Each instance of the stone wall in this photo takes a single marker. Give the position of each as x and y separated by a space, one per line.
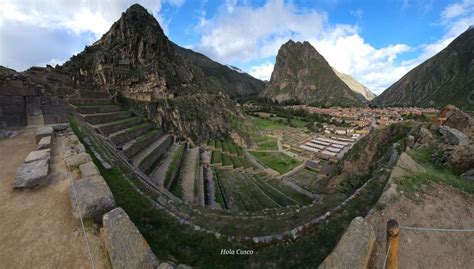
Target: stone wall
12 111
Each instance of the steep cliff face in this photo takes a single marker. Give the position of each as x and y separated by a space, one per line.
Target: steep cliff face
235 83
302 74
360 90
446 78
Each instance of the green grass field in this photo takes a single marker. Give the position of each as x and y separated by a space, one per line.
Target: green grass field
265 142
277 161
266 124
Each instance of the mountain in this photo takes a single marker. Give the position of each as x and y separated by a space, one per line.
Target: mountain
363 92
446 78
302 74
232 79
176 90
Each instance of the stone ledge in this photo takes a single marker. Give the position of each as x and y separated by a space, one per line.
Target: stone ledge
125 245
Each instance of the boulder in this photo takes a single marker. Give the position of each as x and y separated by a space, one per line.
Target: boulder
77 159
453 136
126 246
38 155
410 141
44 143
469 175
32 174
94 198
88 169
408 164
355 247
459 157
425 136
457 119
43 131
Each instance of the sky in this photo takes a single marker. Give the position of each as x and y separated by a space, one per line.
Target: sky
376 42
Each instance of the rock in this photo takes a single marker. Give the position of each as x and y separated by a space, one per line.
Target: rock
77 159
60 127
94 198
38 155
457 119
355 247
388 195
453 136
410 141
165 265
32 174
408 164
469 175
425 136
43 131
44 143
460 158
88 169
126 246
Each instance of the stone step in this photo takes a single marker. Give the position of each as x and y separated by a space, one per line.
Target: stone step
124 135
94 94
137 144
115 126
106 117
94 109
89 101
149 155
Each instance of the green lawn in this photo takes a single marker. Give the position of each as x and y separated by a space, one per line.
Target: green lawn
266 124
265 142
277 161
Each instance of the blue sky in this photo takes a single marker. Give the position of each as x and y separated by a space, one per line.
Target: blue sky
376 42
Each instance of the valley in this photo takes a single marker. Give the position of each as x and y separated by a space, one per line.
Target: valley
166 158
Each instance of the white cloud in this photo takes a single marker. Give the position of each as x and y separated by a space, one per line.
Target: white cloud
245 33
457 9
358 13
75 16
59 28
262 71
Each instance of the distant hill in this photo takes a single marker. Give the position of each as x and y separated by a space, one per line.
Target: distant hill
362 91
446 78
232 79
302 74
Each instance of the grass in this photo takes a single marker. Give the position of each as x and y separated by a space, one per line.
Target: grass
266 142
217 188
277 161
216 157
226 160
266 124
173 166
435 172
167 238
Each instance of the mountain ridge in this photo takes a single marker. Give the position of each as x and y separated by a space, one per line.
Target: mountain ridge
446 78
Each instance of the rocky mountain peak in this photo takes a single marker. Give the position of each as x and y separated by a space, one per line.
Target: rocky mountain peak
302 74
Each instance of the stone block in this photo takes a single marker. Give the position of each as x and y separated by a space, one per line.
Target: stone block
44 143
88 169
32 174
43 131
126 246
44 154
78 159
94 198
355 247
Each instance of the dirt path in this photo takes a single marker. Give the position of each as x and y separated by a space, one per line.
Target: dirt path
37 227
189 174
441 207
